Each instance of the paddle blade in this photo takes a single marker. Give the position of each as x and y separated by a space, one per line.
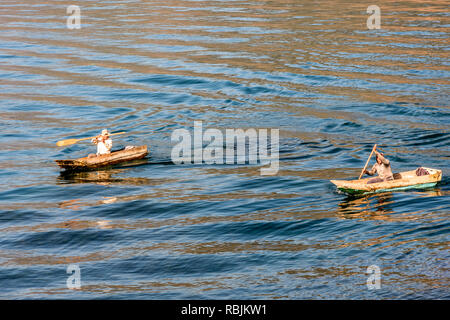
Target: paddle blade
67 142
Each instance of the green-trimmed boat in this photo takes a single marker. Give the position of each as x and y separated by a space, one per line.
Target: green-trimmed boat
403 181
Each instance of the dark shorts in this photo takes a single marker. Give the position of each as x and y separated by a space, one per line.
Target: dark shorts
375 180
378 179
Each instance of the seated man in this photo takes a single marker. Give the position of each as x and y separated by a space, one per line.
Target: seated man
103 142
382 167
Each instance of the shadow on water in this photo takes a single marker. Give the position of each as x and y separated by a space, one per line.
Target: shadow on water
94 176
378 206
352 206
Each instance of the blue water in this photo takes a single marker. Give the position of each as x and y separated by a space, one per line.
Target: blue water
155 230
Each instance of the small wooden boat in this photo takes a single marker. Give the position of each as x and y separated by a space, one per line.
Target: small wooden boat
402 181
115 157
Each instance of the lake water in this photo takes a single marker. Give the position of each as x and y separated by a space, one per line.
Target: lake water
155 230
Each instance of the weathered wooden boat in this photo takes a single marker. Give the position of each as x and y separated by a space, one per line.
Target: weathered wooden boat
94 162
402 181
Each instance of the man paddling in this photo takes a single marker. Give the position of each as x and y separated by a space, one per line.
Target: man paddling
103 142
382 167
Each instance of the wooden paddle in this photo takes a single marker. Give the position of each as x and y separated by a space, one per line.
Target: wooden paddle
72 141
367 162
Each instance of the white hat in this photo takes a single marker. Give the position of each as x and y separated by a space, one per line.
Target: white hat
105 132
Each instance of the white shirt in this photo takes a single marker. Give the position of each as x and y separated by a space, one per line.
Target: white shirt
104 148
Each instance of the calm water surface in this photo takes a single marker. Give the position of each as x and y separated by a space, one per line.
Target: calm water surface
155 230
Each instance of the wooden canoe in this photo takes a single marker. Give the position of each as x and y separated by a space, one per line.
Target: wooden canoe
407 180
94 162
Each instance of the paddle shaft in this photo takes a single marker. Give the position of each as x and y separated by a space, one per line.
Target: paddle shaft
367 162
72 141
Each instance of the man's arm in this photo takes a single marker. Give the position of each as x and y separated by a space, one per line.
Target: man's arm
372 171
383 159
